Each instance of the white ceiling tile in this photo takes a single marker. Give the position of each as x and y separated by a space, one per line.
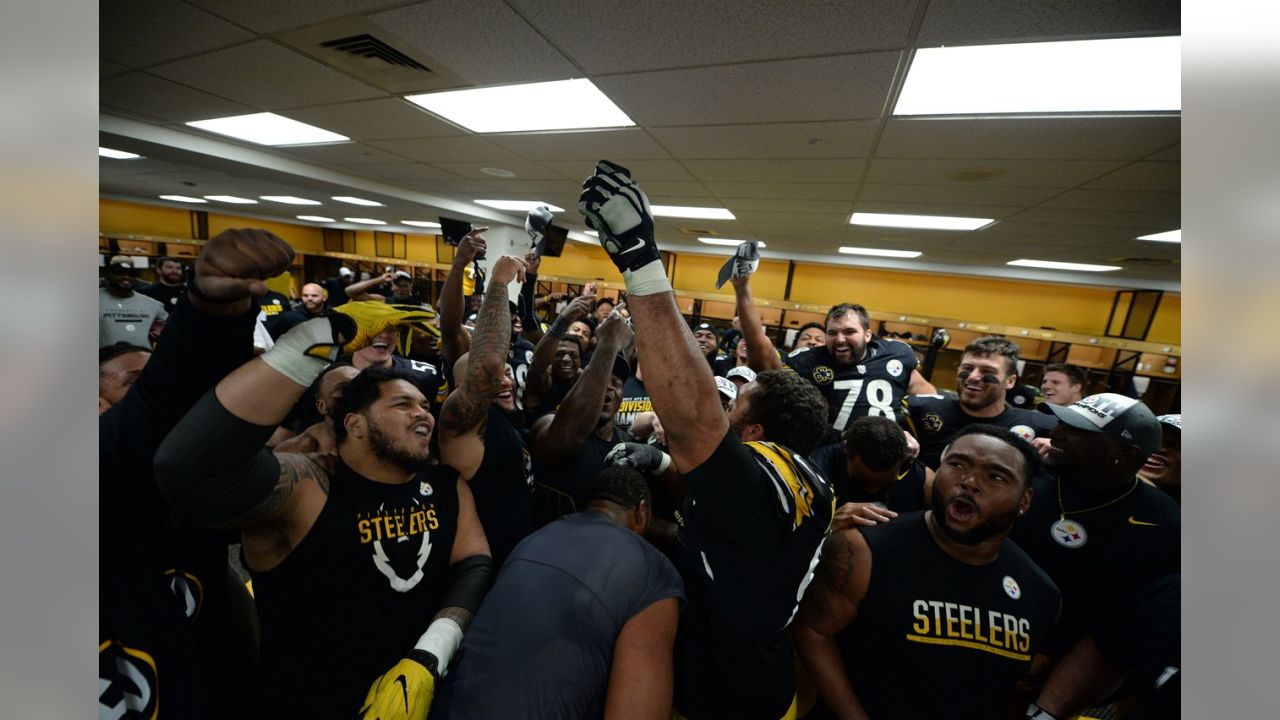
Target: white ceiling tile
804 170
1127 201
172 29
465 148
838 208
643 171
511 188
375 119
482 41
997 212
1128 138
770 140
108 69
148 95
1017 173
784 191
341 154
781 91
676 33
141 166
1173 154
752 218
668 192
590 146
1156 176
1108 218
265 17
523 169
282 78
956 194
960 22
401 172
1042 231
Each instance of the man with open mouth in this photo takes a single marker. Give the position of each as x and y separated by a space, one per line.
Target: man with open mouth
1164 468
943 592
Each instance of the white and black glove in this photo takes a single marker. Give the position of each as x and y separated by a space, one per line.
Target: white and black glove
645 458
536 224
619 211
1035 712
745 260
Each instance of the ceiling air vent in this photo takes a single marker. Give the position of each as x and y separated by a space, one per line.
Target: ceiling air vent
369 46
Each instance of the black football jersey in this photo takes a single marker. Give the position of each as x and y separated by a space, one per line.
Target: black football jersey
872 386
427 377
519 356
935 419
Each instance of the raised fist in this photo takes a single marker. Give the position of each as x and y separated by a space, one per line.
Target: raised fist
235 264
471 247
619 211
507 269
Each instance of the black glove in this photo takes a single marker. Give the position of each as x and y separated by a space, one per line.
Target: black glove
619 210
645 458
536 224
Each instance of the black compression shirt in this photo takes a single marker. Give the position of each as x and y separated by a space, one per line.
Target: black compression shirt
503 486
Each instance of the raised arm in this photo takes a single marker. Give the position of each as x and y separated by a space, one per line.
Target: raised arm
528 318
677 376
464 413
537 382
761 355
830 605
579 412
359 291
454 339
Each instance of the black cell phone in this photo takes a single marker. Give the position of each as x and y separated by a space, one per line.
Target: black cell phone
553 241
453 230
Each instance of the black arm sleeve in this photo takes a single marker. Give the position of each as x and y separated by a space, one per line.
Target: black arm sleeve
471 578
528 291
213 468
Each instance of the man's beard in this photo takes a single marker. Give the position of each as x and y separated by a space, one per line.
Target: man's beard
988 529
388 450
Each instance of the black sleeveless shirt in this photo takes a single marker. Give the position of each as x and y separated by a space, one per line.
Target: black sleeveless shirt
355 594
937 638
503 486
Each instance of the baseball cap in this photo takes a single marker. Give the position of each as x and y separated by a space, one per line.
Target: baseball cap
726 386
743 372
346 271
121 263
402 275
1173 421
707 326
1119 416
621 368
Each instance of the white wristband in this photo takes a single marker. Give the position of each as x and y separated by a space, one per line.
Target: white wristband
441 639
666 463
289 354
650 279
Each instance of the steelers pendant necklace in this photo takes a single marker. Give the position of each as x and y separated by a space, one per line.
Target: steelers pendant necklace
1071 534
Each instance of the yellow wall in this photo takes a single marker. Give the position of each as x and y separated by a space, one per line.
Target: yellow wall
988 300
1166 327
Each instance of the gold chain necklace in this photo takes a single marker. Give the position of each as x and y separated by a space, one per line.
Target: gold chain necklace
1123 495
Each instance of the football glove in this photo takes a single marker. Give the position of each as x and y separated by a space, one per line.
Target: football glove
404 692
745 260
619 211
356 324
645 458
423 326
536 224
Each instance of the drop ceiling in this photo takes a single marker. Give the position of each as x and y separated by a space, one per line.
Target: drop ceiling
777 110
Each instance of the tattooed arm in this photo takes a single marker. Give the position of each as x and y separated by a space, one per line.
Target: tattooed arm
829 606
481 374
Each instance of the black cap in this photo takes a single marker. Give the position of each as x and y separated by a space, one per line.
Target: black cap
707 326
1119 416
621 368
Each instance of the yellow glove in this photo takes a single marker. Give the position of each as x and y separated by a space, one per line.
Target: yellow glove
404 692
368 319
425 326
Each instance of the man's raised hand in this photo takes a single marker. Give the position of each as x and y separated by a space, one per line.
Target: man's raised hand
235 265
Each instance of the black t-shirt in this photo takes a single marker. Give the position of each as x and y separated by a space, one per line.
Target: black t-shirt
273 304
166 294
872 386
1023 397
285 321
542 643
906 494
355 594
1099 558
970 631
750 532
935 419
565 487
635 400
503 485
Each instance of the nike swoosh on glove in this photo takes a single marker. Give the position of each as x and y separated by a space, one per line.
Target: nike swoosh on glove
745 260
404 692
406 330
619 211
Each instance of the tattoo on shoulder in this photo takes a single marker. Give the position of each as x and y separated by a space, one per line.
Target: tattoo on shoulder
836 566
294 469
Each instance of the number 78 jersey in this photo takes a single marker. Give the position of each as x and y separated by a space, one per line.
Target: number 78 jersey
873 386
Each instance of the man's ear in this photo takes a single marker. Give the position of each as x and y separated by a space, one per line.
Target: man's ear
355 425
1025 503
1011 381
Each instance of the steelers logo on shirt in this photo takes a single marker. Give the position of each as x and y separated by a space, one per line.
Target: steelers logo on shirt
1019 400
1023 431
1011 587
894 367
932 422
823 375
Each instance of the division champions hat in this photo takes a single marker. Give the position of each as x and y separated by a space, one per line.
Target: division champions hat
1119 416
727 388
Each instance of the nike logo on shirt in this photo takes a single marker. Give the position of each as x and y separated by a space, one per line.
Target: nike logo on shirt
1134 521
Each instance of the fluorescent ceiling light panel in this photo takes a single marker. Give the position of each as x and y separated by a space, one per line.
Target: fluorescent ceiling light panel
1172 236
590 237
116 154
697 213
315 218
918 222
1074 76
289 200
357 201
183 198
1054 265
727 241
522 205
557 105
593 233
231 199
268 129
420 223
365 221
876 252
